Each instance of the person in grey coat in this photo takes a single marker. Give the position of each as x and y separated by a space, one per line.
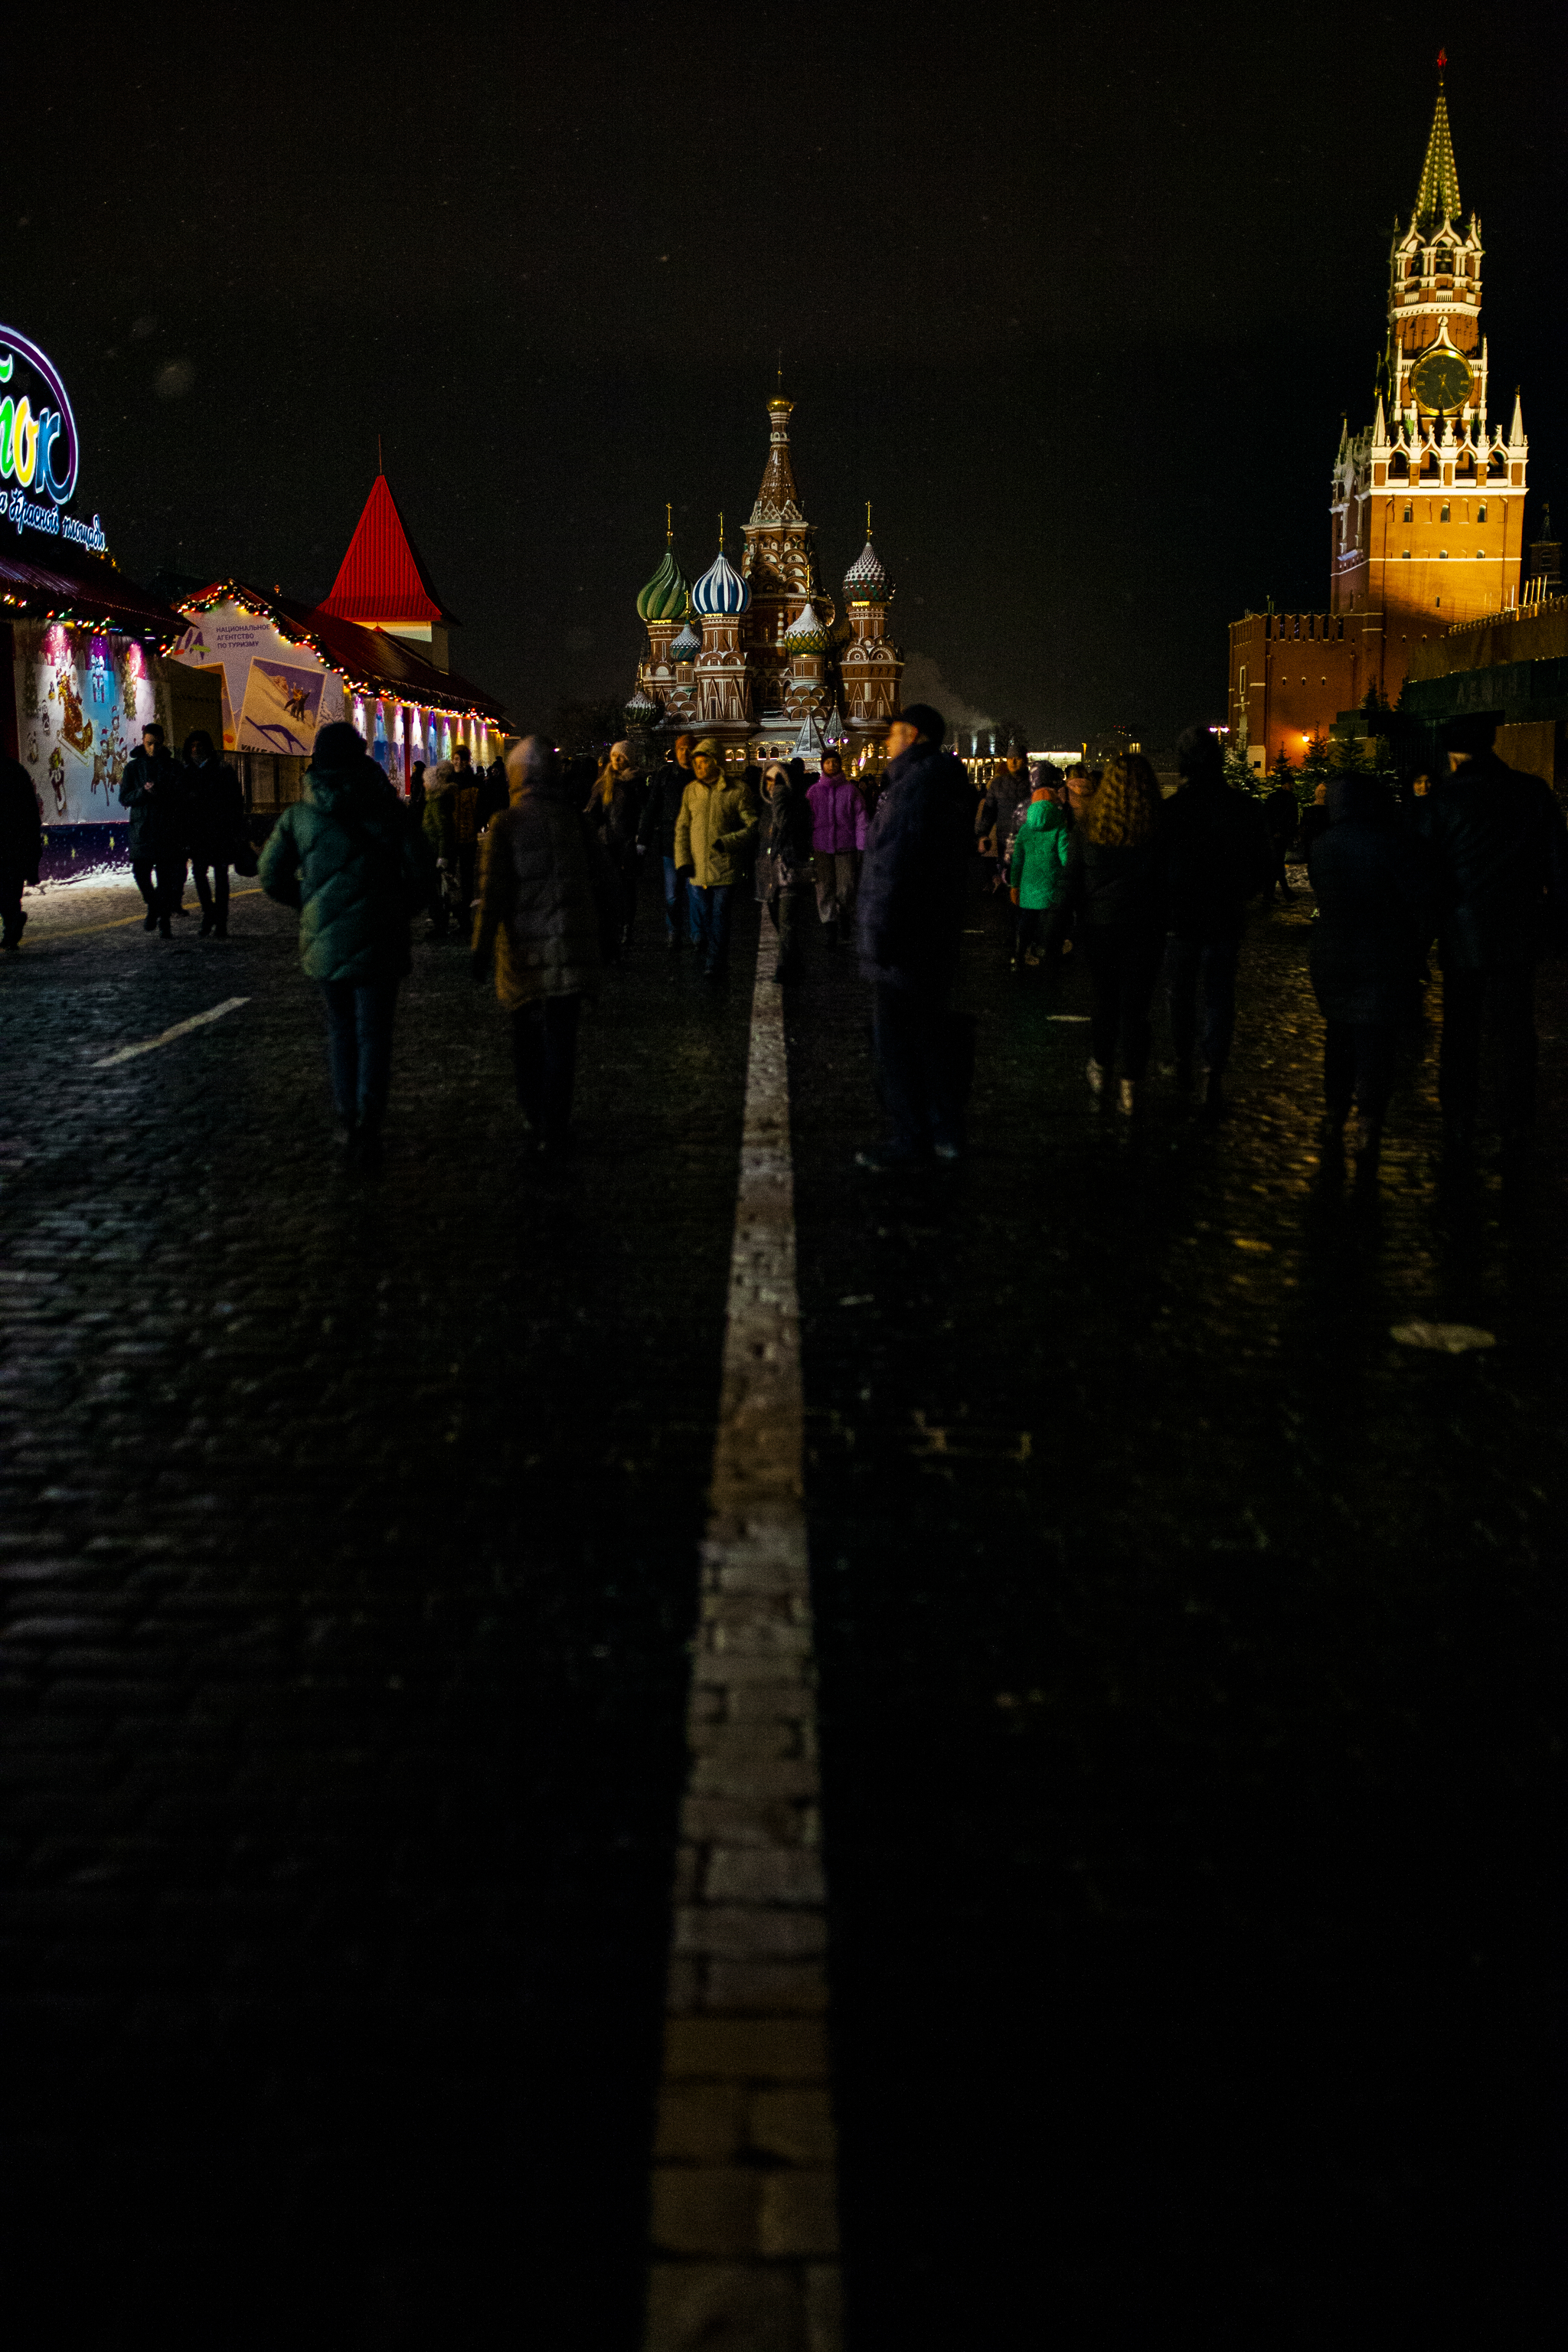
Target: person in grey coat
548 913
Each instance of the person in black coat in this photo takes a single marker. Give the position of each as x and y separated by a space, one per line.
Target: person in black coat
615 810
1314 823
1376 891
152 788
667 790
215 819
783 861
1501 851
910 920
1116 877
1281 816
21 847
1218 855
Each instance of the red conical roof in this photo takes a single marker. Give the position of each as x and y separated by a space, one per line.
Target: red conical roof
382 581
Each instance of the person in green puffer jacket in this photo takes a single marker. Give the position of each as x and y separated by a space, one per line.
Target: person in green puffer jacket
348 856
1037 873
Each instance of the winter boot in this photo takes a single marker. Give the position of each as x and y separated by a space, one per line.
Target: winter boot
165 928
209 925
149 920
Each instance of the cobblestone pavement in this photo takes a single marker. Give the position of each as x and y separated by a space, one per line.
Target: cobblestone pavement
1190 1655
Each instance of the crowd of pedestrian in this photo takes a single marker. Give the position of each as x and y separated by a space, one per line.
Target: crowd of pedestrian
1132 883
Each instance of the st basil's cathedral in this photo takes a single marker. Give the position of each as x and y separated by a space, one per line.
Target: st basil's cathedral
763 658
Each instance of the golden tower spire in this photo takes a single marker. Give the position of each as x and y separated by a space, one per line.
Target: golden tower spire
1438 196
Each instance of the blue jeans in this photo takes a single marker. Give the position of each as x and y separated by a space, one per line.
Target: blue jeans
358 1046
1214 961
711 922
676 916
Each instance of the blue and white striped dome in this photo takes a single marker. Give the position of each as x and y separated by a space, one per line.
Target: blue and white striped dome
721 589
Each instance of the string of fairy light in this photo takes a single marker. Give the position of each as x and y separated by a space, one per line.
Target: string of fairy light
370 686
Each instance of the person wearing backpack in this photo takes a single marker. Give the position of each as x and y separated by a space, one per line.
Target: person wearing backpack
347 857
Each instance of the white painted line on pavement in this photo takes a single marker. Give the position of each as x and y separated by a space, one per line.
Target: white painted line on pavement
744 2188
180 1029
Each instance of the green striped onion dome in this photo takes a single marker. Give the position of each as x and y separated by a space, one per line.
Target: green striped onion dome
664 598
642 710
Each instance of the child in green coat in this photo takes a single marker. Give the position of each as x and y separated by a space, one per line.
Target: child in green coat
1037 873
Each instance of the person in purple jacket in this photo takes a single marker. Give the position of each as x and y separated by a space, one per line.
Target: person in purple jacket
837 838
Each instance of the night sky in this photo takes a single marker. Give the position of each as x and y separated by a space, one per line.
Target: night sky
1076 297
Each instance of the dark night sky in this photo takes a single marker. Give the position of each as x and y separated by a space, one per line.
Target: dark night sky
1076 297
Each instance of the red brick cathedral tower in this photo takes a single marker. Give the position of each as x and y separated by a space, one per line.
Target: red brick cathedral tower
1426 503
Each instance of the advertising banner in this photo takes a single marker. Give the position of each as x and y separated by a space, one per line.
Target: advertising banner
83 696
274 695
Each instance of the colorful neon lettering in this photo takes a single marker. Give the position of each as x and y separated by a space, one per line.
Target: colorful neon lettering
29 437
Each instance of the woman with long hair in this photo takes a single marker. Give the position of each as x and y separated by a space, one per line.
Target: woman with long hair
615 810
783 862
1116 870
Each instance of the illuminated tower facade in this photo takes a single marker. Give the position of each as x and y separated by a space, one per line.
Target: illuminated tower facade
1426 512
1426 504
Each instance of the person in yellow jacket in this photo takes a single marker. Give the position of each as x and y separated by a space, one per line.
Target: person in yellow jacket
714 835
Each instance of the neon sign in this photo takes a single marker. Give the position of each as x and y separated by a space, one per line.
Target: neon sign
38 440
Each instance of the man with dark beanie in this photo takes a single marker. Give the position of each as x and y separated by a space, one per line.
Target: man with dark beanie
910 920
1501 851
1217 857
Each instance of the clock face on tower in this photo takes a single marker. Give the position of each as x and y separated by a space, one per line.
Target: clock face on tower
1441 380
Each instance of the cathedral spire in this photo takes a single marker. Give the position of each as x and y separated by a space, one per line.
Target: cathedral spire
1438 197
777 500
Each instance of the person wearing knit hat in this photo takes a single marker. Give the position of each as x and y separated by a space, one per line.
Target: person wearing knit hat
713 838
615 810
910 923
